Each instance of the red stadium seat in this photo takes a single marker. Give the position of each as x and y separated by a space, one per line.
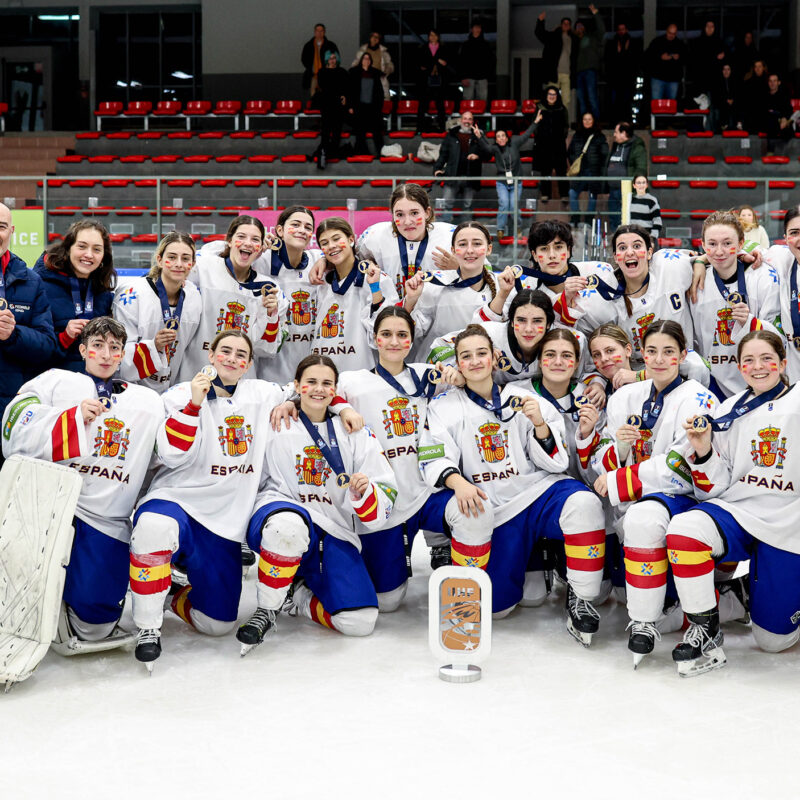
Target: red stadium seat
64 211
795 101
88 135
149 135
731 134
119 135
255 108
663 106
116 183
243 135
670 213
287 183
349 183
375 208
742 184
407 107
138 108
167 159
657 184
386 108
401 134
200 211
211 135
529 106
392 159
229 159
287 107
180 135
434 135
305 134
775 160
294 158
475 106
233 211
309 110
381 183
146 183
663 134
183 182
105 159
86 183
215 183
699 213
669 242
449 105
781 184
197 108
505 107
118 238
738 160
197 159
70 159
664 159
530 184
360 159
315 182
145 238
244 183
53 237
97 211
131 211
699 134
133 159
274 135
228 108
263 159
703 184
167 108
107 110
702 160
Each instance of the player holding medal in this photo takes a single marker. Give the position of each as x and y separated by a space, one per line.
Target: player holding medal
161 313
744 475
320 487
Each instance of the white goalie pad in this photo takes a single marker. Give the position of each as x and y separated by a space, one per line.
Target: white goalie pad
37 505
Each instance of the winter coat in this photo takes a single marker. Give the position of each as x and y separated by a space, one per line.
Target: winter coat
333 85
507 158
354 95
476 59
453 161
552 51
670 71
593 164
590 45
636 163
307 58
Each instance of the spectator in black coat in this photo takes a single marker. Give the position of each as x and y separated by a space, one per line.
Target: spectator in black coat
366 104
754 98
433 71
745 54
476 62
460 155
724 98
593 164
313 57
708 55
665 59
550 144
334 85
559 56
623 62
778 111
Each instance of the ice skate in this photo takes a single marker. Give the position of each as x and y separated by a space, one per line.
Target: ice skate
642 639
700 651
148 647
248 558
738 590
440 556
582 619
252 633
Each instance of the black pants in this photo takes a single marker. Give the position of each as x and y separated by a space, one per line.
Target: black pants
546 161
367 119
331 132
425 95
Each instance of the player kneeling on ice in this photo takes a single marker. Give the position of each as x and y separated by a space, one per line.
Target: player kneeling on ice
105 429
747 478
321 489
506 446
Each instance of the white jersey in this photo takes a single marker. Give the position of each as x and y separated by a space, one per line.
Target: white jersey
717 336
138 307
396 419
295 470
226 306
753 470
656 462
379 243
782 260
112 453
344 323
212 457
504 459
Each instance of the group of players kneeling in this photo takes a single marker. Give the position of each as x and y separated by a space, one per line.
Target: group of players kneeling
529 444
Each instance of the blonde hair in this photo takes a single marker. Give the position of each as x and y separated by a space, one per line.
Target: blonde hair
748 226
172 237
724 218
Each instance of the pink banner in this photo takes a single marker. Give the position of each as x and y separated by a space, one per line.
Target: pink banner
359 220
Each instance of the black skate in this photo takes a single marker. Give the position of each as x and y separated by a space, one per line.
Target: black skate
582 619
248 558
148 647
252 633
700 651
642 639
740 588
440 556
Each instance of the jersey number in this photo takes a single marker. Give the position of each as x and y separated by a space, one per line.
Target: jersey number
675 299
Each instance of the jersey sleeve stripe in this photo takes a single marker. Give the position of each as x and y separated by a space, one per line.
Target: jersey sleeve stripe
65 439
180 435
143 361
368 511
629 487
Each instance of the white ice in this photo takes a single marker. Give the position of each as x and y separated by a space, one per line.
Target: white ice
312 714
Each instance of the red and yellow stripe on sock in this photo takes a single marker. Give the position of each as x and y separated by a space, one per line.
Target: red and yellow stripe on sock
368 510
689 558
182 606
646 568
143 361
629 487
585 551
319 614
150 572
276 571
585 453
465 555
64 438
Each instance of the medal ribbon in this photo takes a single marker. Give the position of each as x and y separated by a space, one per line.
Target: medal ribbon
741 285
166 310
251 283
354 276
744 406
423 387
651 410
84 309
794 304
331 453
402 246
229 388
496 405
280 260
539 387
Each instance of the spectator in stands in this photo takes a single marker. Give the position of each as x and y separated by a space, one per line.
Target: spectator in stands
645 209
754 97
708 55
334 84
777 114
313 57
381 60
753 230
589 144
623 60
558 56
366 105
665 59
27 341
476 62
506 153
79 278
589 36
627 157
724 96
550 144
745 54
432 73
460 156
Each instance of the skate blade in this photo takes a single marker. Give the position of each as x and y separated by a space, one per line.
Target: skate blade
149 665
713 659
9 687
637 659
582 638
246 648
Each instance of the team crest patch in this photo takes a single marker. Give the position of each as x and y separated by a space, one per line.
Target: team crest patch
333 323
401 419
642 448
492 444
311 468
234 319
110 441
234 436
128 296
302 309
769 452
643 322
722 334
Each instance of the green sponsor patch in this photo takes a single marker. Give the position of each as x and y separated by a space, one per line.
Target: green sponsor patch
388 491
678 465
441 353
430 452
16 412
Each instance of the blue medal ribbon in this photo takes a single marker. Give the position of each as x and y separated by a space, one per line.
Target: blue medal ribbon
546 278
280 260
744 405
459 284
355 276
105 388
794 305
402 246
741 284
496 405
651 410
256 287
423 387
540 388
84 308
167 312
330 453
3 301
229 388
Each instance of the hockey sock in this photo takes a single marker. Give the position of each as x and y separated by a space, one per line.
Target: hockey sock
182 606
646 582
318 614
465 555
693 568
150 579
586 554
275 575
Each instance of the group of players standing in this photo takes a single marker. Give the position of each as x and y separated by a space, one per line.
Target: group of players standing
625 428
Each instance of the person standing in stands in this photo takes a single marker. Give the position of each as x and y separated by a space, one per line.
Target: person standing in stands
665 58
366 105
313 56
476 64
645 209
558 56
432 72
550 144
381 60
589 144
708 55
590 37
778 112
334 84
627 157
623 58
460 155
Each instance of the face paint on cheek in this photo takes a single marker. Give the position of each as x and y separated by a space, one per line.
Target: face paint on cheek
647 359
545 362
733 250
420 222
92 354
116 356
219 358
242 364
570 363
237 244
773 367
746 368
617 359
673 361
563 256
406 344
459 251
304 390
619 258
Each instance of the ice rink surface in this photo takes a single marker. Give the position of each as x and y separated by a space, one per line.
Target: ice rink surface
312 714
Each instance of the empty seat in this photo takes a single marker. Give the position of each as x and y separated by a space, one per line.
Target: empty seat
702 160
200 211
211 135
287 107
197 108
407 107
229 159
256 108
226 108
86 183
775 160
305 134
663 134
386 108
106 110
138 108
70 159
133 159
392 159
664 159
732 134
131 211
700 134
738 160
88 135
197 159
184 182
315 182
149 135
670 213
233 211
699 213
243 135
145 238
273 135
106 159
781 184
116 183
742 184
669 242
703 184
475 106
64 211
309 109
657 184
381 183
366 159
663 106
215 183
265 159
244 183
349 183
294 158
505 107
166 159
145 183
180 135
401 134
125 135
167 108
287 183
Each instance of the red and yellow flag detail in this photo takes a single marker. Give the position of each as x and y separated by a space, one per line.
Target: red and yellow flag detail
646 568
319 614
629 487
271 331
276 571
465 555
701 481
368 511
585 551
562 309
150 572
688 557
610 461
182 606
179 434
65 440
143 361
585 453
756 325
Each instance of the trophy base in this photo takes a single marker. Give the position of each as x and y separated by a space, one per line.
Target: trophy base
457 673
